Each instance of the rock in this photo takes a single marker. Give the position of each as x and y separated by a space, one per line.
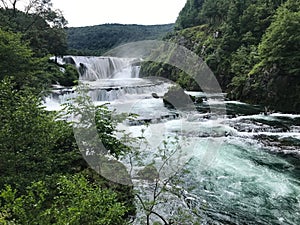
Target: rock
69 60
196 99
154 95
82 69
177 98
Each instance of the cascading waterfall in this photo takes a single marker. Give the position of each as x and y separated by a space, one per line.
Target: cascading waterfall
96 68
109 78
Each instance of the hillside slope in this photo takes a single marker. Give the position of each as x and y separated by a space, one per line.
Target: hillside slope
96 40
253 48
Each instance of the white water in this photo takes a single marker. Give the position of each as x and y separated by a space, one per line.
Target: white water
244 167
106 67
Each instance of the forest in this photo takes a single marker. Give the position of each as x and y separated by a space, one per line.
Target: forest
44 179
96 40
253 48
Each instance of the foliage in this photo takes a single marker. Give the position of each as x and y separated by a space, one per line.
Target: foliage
96 40
222 28
73 201
106 126
243 60
189 15
42 170
30 138
274 79
238 39
48 72
281 43
39 23
41 167
95 125
214 12
27 38
15 57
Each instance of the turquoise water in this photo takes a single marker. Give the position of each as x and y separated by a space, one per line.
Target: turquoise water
244 165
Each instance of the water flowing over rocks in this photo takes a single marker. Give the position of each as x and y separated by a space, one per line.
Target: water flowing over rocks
243 166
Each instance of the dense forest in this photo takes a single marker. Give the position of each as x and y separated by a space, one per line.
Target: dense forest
44 178
253 48
96 40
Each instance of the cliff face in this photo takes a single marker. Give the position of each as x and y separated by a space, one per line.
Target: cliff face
275 90
252 47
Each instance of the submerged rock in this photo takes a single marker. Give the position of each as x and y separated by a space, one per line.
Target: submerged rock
196 99
69 60
82 69
154 95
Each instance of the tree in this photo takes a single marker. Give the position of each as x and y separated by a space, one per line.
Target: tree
39 23
9 4
242 62
42 8
33 144
281 44
72 200
189 15
214 11
15 58
44 179
27 39
97 40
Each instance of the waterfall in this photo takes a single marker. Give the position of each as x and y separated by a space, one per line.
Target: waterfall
103 93
96 68
109 79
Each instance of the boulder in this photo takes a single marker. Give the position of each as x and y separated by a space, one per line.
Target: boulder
177 98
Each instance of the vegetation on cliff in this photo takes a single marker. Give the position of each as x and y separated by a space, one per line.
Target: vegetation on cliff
251 46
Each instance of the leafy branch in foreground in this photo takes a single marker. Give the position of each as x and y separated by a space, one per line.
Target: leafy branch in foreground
153 172
74 201
156 176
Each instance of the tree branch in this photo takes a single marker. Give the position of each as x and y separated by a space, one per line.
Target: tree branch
140 199
163 219
4 4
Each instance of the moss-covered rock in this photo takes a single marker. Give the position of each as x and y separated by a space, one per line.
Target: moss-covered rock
177 98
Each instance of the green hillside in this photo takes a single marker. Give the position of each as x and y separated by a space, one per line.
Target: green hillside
253 48
96 40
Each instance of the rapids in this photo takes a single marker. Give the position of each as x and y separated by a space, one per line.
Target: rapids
244 166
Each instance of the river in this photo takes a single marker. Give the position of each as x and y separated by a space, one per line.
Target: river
243 165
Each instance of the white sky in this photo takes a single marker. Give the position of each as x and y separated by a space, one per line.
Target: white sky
95 12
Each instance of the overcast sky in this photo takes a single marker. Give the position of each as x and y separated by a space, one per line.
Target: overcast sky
95 12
